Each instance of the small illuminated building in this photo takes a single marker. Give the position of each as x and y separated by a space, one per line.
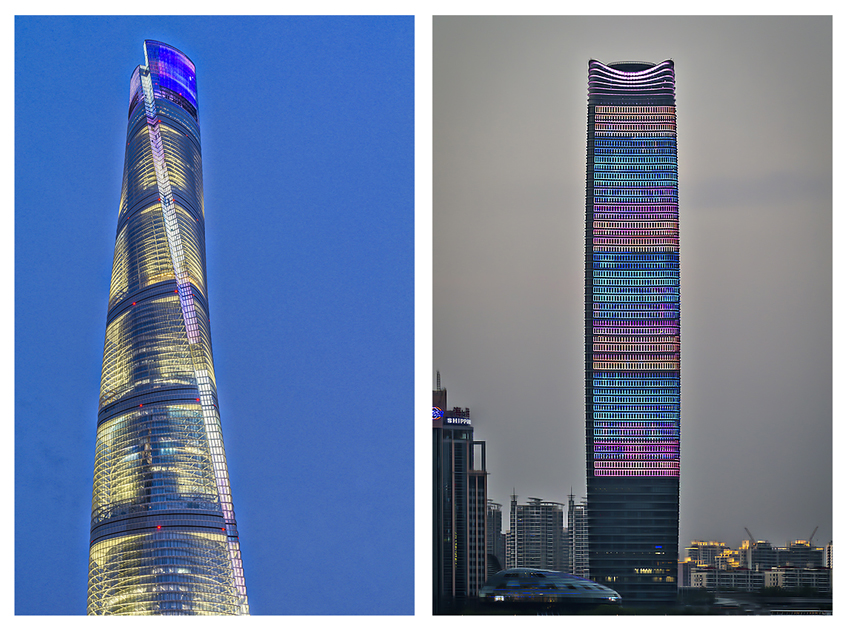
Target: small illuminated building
459 507
704 553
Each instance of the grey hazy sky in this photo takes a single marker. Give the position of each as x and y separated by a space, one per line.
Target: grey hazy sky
754 112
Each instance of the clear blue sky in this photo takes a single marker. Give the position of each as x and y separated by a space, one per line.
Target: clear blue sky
307 137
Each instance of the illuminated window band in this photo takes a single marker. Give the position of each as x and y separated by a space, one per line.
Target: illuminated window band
633 292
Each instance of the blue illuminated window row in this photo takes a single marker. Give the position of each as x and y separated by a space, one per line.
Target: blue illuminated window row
601 153
637 392
604 395
630 187
637 430
644 416
603 185
623 288
637 387
626 422
635 406
639 161
613 174
620 192
610 170
660 395
604 167
635 416
619 198
634 286
635 142
652 176
635 278
648 173
628 381
630 293
608 151
667 257
632 153
634 266
636 310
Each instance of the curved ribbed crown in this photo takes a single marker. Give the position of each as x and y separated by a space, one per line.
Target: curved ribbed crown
172 76
631 82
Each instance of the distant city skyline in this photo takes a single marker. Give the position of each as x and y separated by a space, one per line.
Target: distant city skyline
755 178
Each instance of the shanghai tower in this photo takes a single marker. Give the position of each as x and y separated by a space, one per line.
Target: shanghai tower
163 531
632 386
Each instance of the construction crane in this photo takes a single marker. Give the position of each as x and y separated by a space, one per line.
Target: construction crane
813 535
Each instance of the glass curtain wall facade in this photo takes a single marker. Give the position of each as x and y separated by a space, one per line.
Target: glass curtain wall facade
632 388
163 530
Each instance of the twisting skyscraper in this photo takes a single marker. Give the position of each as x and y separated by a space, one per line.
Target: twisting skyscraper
632 330
163 531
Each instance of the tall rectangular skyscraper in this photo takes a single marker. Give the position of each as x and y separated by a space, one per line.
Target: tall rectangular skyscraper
536 537
632 382
459 508
163 530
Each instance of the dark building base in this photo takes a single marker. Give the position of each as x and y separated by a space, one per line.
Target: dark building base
633 537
